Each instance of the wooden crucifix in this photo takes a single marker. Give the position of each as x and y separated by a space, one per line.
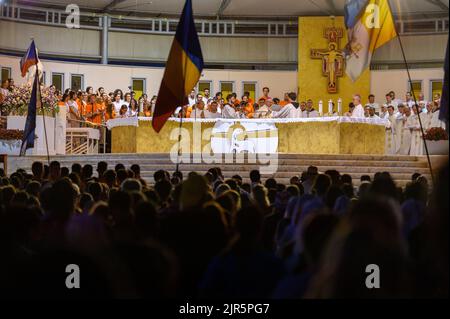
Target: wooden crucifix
333 61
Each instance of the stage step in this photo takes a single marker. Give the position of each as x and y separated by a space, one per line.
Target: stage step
400 167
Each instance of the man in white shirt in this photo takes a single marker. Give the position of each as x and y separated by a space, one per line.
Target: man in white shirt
191 98
289 110
358 110
372 102
206 96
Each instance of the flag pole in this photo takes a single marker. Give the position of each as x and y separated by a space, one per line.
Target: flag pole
177 169
43 113
179 141
416 105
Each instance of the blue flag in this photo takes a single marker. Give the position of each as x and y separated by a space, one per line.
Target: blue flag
30 124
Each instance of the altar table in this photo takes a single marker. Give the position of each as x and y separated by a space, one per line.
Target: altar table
322 135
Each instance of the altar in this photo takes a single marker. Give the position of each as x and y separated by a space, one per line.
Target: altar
322 135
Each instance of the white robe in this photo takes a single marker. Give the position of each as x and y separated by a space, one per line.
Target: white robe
374 105
406 136
228 112
262 112
384 115
212 115
192 101
358 111
312 113
398 131
416 135
197 113
426 119
118 105
436 122
390 146
288 111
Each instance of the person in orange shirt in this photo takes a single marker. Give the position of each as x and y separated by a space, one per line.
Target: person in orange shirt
94 110
265 95
247 107
188 111
109 108
285 100
236 101
80 102
147 108
250 100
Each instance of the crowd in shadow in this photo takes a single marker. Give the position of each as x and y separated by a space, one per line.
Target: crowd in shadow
204 236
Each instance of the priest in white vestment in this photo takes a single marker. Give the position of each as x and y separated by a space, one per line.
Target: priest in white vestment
358 111
406 136
264 111
228 112
390 146
427 117
435 121
289 110
310 111
416 134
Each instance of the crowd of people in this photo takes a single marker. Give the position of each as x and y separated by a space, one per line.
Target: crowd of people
403 128
201 235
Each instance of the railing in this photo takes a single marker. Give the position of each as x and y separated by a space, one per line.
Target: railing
236 28
54 17
48 17
423 26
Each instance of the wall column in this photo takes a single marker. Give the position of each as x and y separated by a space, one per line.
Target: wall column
104 37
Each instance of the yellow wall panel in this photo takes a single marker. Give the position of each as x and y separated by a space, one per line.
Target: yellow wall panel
311 83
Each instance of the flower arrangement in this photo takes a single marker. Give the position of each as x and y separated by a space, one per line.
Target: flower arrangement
8 135
436 134
16 102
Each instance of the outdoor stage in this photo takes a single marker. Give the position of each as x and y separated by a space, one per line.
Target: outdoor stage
321 135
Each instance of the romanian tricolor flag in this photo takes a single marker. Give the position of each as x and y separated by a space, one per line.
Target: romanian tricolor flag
30 58
183 69
369 25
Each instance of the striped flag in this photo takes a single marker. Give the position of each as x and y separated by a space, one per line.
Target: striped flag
183 69
30 124
30 58
369 25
